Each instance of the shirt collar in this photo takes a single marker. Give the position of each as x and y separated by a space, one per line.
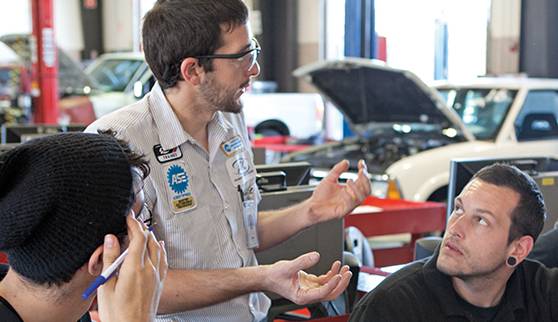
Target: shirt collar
171 133
219 122
440 284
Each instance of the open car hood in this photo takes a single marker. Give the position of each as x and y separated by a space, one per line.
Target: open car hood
367 91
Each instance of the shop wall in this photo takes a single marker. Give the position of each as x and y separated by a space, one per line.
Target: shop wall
117 25
310 22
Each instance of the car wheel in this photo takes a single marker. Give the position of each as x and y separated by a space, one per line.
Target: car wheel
440 195
272 128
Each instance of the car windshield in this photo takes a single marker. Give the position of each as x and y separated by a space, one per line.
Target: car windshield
114 75
482 110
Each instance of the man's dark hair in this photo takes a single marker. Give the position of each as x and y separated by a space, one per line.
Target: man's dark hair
176 29
530 212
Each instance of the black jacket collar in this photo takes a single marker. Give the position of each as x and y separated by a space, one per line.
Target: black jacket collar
440 284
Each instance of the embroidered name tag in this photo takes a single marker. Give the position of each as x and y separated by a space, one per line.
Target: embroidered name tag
166 155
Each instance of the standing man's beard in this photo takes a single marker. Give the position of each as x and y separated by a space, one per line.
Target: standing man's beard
220 98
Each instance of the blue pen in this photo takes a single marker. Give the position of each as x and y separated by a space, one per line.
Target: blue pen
105 276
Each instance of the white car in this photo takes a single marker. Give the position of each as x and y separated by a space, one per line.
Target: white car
119 79
408 132
509 117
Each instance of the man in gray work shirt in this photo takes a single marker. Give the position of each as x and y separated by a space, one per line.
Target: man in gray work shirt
201 189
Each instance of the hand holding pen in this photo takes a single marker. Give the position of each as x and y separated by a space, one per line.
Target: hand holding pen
133 294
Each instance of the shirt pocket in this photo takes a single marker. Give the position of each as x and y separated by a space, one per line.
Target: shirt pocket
193 239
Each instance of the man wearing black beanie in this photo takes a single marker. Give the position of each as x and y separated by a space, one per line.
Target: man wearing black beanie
61 198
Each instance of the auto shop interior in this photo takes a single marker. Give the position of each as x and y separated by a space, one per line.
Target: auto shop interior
413 145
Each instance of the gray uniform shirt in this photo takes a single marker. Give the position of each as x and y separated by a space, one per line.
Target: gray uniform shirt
194 195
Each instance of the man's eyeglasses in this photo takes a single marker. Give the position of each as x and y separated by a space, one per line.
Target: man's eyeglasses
145 216
247 59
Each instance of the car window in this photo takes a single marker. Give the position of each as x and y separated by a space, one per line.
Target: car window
482 110
114 74
537 118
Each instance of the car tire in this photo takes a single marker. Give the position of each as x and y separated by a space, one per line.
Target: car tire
272 128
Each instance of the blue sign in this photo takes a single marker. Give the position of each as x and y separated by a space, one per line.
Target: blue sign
177 178
232 145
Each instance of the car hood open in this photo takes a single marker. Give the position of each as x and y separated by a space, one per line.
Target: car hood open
368 91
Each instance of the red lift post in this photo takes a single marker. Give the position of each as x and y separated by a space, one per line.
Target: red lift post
45 62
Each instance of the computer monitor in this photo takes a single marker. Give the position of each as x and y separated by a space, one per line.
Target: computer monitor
19 133
540 168
297 173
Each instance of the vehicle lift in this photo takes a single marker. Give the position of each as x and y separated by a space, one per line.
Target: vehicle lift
45 63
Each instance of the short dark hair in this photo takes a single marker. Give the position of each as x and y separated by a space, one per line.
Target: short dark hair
176 29
529 214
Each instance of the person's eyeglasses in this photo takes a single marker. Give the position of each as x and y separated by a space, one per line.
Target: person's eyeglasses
145 216
247 59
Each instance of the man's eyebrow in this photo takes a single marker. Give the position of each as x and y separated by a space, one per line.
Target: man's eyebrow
247 46
252 41
476 210
486 212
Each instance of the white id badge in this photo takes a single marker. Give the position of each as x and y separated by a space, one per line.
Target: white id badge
250 222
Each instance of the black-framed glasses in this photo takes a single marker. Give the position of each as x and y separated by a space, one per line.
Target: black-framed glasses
145 215
247 59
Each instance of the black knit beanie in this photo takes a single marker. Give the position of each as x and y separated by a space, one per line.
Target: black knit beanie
59 196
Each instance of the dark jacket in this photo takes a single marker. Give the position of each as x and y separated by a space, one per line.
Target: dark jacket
419 292
546 249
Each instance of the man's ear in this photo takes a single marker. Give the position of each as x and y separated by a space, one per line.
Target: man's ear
95 264
521 247
191 71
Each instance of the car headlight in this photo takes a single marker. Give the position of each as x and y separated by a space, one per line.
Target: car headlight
382 186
